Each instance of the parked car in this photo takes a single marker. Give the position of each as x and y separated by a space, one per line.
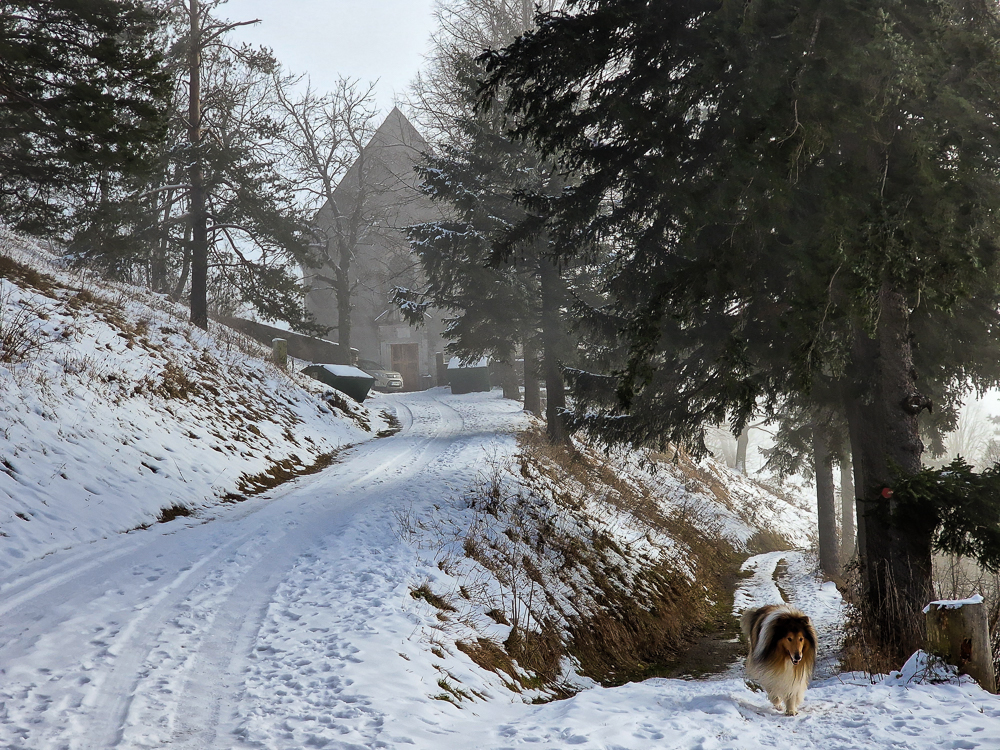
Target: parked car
387 381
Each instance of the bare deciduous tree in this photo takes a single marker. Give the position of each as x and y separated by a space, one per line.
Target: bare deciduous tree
349 183
465 28
971 438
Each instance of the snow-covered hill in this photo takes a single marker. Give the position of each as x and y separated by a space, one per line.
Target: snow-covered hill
117 413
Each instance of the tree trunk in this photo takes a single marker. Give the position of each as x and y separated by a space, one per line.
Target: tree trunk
185 266
961 636
825 505
508 380
894 548
742 443
158 265
199 214
532 390
344 306
555 389
847 532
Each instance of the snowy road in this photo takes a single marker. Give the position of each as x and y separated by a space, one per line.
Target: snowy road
153 637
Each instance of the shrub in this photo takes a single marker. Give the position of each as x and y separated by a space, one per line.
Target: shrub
21 331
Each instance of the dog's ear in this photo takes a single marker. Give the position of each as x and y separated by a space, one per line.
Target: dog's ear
809 631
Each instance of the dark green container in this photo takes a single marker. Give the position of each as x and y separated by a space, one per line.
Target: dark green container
348 380
468 379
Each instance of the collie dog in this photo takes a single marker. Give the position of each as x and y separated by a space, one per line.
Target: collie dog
782 653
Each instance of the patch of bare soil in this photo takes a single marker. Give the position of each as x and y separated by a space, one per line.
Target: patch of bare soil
720 644
706 656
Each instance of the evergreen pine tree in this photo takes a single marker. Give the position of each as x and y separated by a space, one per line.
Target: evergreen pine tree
784 184
82 94
215 222
489 263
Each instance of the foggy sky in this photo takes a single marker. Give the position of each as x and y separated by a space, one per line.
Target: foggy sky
363 39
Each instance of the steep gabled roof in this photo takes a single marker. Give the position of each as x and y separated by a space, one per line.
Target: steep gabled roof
390 155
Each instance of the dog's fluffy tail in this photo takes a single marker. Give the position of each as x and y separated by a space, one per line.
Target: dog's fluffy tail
746 622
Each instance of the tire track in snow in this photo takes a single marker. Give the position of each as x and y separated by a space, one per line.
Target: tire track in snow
323 644
203 708
130 596
143 637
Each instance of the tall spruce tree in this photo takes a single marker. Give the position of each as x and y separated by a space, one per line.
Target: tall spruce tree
953 356
489 262
82 94
784 184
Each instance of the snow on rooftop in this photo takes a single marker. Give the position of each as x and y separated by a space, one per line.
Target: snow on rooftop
345 371
455 363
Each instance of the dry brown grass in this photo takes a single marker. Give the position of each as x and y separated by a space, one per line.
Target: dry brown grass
394 425
423 591
493 658
25 276
175 383
279 472
174 511
21 332
868 647
573 586
212 374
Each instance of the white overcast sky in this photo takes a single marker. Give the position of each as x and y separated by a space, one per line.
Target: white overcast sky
368 40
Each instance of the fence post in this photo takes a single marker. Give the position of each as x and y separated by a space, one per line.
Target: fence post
441 369
279 352
957 631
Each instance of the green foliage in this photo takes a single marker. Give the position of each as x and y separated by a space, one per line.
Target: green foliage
481 262
82 94
254 227
964 505
760 171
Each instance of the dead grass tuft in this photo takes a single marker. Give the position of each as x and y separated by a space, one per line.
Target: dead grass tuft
175 383
539 652
394 425
492 658
867 646
174 511
280 471
22 334
26 276
424 592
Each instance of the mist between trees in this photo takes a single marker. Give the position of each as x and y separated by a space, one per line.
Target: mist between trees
678 216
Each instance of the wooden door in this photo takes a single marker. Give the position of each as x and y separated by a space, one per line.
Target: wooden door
406 361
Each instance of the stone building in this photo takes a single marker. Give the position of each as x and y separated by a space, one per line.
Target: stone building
376 200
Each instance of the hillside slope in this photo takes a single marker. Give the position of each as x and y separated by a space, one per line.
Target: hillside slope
118 413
